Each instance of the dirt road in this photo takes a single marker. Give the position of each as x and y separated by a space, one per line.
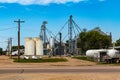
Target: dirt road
71 70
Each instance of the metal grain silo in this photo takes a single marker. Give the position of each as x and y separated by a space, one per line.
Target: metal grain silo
29 46
52 42
38 47
48 46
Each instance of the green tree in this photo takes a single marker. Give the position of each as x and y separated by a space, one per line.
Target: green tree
82 40
14 48
1 51
92 40
117 42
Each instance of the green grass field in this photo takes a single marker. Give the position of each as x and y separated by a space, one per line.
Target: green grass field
43 60
84 58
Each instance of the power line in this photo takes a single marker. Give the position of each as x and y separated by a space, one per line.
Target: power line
7 29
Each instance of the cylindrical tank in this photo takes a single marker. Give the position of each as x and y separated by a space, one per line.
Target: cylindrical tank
113 53
29 46
38 46
52 42
89 53
92 53
48 46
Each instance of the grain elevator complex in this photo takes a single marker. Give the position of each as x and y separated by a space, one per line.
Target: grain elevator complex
49 44
53 45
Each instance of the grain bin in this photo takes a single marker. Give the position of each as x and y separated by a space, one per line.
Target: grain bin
29 46
48 46
38 46
52 42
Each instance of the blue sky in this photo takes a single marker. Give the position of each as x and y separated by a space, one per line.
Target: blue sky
86 13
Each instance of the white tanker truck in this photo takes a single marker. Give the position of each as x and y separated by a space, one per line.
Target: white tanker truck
104 55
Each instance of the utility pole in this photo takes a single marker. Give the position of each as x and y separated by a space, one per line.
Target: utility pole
110 39
60 43
10 47
19 21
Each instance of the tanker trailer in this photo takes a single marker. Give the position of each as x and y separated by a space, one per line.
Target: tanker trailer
97 54
113 56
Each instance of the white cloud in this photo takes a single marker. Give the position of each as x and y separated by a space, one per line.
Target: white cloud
41 2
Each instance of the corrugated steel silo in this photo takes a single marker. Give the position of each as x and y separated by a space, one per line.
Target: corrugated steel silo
38 47
29 46
52 42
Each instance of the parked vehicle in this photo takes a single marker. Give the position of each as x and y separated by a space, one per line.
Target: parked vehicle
104 55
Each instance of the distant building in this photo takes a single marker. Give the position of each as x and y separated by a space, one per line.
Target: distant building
99 30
